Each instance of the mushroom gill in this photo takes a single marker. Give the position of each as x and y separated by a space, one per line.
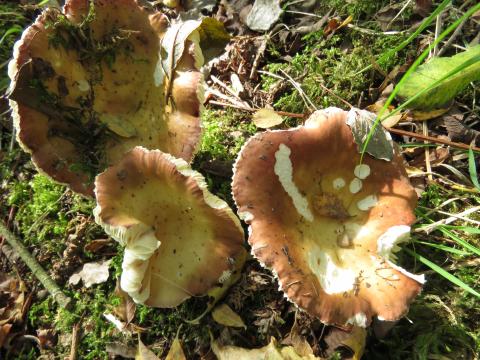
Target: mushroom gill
326 224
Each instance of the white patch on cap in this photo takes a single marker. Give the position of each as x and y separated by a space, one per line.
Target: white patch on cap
362 171
367 202
333 279
387 242
83 85
284 170
355 186
387 245
359 319
225 276
338 183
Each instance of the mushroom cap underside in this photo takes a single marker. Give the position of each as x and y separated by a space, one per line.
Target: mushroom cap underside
325 225
85 89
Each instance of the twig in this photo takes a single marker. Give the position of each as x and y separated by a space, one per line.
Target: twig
452 38
249 109
75 340
428 164
453 217
57 294
432 139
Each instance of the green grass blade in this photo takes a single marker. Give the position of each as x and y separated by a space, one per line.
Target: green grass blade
459 241
426 23
453 279
443 248
467 229
13 30
412 68
472 168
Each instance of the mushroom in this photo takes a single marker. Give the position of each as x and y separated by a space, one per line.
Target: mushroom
325 223
87 87
180 240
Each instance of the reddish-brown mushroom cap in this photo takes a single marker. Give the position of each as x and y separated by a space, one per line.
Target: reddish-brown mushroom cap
86 89
180 240
325 225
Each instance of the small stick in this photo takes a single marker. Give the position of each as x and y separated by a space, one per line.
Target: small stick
281 113
57 294
75 340
433 139
428 164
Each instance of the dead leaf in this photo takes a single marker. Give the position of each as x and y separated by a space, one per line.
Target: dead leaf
91 273
361 123
334 25
119 349
356 342
4 331
47 338
224 315
263 15
97 244
437 156
390 121
176 351
143 353
266 118
269 352
423 7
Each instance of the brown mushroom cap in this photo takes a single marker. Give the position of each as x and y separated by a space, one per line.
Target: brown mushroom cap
325 225
85 89
180 240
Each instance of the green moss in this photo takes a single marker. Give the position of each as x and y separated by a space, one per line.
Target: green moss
224 133
336 63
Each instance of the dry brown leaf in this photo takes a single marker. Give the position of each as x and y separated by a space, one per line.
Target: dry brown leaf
176 351
269 352
97 244
224 315
144 353
91 273
266 118
356 342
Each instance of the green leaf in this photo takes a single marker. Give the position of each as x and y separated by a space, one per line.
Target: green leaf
453 279
472 168
427 76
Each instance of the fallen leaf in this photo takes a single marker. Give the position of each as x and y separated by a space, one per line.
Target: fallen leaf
266 118
144 353
441 94
356 342
119 349
380 144
47 338
97 244
91 273
389 121
269 352
4 331
213 38
176 351
173 46
224 315
264 14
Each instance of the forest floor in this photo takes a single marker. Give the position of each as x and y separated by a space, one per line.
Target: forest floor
323 48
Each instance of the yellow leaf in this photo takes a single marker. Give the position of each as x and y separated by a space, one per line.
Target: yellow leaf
143 353
224 315
266 118
269 352
356 342
176 351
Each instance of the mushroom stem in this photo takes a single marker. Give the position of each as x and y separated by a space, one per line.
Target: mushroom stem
37 270
218 292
